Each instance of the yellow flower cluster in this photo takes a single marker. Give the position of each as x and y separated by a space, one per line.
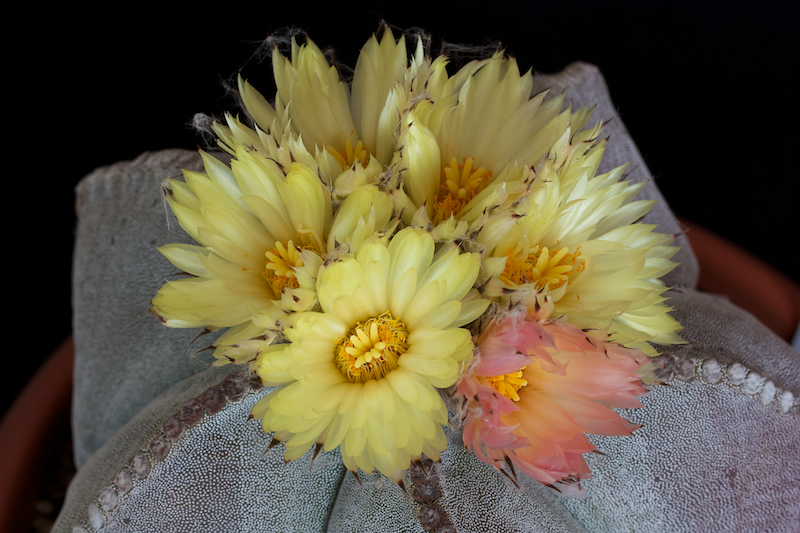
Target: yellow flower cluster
360 227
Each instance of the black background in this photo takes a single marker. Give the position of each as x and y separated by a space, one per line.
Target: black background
709 95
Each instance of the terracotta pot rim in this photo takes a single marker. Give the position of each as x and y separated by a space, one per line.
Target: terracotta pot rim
27 428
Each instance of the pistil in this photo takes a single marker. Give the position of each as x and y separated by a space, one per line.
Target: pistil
460 184
350 155
281 262
544 267
509 384
372 348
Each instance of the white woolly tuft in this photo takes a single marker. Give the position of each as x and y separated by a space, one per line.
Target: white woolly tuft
280 39
203 125
461 54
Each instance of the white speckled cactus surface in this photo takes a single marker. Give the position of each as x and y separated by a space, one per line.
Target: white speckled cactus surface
166 443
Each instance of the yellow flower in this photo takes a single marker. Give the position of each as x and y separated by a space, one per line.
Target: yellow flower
350 132
575 243
471 144
264 235
363 373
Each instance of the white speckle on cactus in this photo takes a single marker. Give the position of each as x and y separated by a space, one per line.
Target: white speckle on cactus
108 498
96 519
140 466
712 372
786 401
736 374
752 383
768 393
123 482
685 369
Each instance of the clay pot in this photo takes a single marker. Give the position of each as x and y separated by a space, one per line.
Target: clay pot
31 435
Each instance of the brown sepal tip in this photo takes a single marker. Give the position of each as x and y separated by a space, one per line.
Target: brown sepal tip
509 476
510 465
551 486
317 449
153 312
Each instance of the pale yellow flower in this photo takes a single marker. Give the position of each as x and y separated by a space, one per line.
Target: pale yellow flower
349 132
574 240
263 237
363 373
472 143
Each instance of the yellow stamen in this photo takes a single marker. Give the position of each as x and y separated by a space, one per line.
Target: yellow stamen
372 348
281 262
460 184
350 155
509 384
544 267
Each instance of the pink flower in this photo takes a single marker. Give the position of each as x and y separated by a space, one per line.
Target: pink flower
537 388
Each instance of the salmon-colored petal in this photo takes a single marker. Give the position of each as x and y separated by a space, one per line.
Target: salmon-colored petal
539 387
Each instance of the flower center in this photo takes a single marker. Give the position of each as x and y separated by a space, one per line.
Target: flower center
460 184
509 384
543 267
350 155
282 261
372 348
